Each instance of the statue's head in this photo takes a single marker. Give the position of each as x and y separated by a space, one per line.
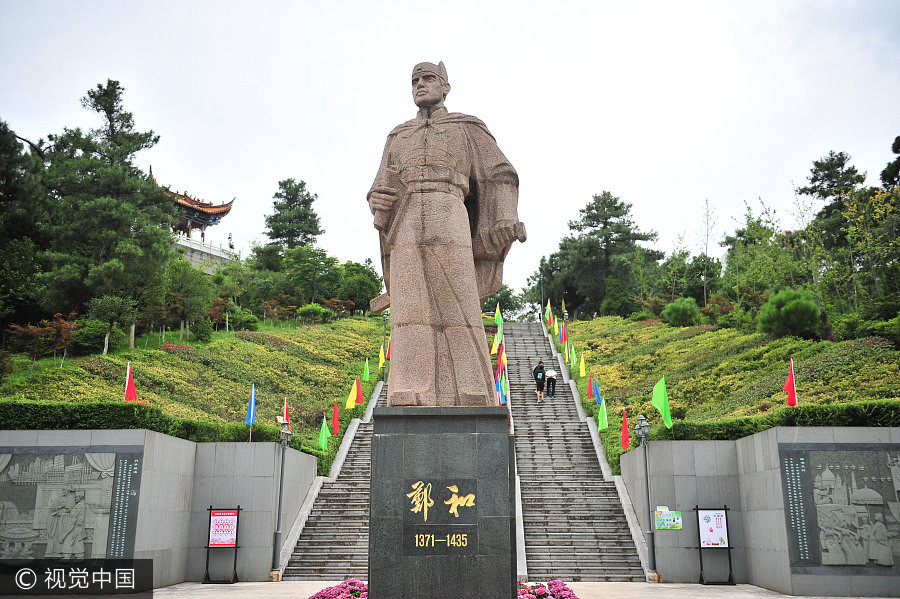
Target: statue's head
429 84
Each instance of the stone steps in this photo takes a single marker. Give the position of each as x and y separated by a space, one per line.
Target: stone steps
575 528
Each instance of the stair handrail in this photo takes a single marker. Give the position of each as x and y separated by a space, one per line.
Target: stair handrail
287 548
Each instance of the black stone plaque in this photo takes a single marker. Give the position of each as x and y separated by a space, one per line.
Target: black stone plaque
124 506
442 507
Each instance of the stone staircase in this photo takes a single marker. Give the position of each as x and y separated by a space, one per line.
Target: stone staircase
575 528
334 543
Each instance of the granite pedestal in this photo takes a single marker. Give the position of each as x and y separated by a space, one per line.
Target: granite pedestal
442 504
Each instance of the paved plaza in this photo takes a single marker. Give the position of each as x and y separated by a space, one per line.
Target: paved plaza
584 590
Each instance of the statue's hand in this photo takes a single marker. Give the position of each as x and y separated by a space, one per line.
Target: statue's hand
382 198
503 233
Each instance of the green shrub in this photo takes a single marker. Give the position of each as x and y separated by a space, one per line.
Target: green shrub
311 312
683 312
641 316
88 338
847 326
739 318
244 320
202 330
790 312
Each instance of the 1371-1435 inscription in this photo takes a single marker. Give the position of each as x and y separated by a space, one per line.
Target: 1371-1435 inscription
445 531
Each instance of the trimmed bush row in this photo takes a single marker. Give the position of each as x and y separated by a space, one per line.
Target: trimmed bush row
60 415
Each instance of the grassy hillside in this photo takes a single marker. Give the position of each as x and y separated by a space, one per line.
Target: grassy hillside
311 366
717 376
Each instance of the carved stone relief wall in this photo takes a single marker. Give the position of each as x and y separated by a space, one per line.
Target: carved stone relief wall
842 507
68 505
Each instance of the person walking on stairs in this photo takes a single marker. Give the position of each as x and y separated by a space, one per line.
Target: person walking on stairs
539 376
550 375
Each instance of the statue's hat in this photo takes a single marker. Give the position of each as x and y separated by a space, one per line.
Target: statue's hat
429 67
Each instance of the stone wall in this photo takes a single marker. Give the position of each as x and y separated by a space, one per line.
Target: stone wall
163 499
804 507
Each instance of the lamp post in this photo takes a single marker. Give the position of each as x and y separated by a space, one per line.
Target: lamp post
384 320
286 435
642 430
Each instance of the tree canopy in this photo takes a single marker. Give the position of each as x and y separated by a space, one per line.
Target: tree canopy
294 221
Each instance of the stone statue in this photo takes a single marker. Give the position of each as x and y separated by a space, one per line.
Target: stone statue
445 205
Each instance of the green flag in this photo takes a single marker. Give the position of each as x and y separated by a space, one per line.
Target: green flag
366 373
602 422
660 401
324 434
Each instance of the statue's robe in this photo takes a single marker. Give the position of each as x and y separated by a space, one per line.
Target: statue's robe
454 185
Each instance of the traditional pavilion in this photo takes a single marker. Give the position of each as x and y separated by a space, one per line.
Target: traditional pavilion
193 213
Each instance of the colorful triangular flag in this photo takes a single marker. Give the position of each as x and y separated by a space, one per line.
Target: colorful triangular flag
496 344
351 397
324 434
251 408
590 390
335 420
597 392
790 386
581 372
564 305
660 401
602 422
381 356
130 389
387 356
284 417
366 373
625 440
359 393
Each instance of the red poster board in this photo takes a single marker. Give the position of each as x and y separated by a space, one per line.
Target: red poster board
223 525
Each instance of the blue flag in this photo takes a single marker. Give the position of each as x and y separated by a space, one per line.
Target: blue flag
251 408
597 393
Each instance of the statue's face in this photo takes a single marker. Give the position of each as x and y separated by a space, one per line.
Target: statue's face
427 89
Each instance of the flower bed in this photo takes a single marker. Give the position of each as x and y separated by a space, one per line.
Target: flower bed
555 589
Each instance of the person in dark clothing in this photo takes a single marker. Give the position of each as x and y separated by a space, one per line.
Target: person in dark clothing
539 377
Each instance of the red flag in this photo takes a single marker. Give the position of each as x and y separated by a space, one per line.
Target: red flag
285 417
563 334
625 441
335 423
130 389
590 392
359 395
790 387
388 355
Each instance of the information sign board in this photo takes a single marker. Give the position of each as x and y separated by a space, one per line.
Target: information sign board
713 529
223 528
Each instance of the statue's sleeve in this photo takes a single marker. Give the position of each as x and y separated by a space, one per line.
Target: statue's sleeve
496 196
382 219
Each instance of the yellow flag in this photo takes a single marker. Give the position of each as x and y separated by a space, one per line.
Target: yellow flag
582 365
556 328
381 356
564 305
351 399
496 344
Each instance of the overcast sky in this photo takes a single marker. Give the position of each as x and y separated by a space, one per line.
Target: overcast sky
665 104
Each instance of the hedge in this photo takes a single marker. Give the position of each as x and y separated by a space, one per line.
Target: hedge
863 413
880 413
58 415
